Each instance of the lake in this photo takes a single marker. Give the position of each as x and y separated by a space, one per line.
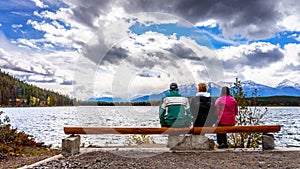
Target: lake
46 123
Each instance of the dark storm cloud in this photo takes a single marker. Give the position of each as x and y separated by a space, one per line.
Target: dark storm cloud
41 80
86 11
261 58
150 58
13 65
252 19
255 58
151 39
292 68
184 52
96 51
66 82
147 59
86 15
145 75
115 55
256 18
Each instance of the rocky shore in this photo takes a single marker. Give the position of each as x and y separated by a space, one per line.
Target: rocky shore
287 159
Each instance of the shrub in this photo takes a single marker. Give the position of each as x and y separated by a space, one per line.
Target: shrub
246 116
138 140
11 141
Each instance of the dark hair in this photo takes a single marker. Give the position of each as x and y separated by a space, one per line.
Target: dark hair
225 91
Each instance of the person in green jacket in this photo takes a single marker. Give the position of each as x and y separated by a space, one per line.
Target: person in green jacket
174 109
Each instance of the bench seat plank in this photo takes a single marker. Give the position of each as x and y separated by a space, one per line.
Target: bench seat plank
125 130
171 131
238 129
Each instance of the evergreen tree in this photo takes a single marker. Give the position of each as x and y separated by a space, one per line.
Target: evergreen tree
14 92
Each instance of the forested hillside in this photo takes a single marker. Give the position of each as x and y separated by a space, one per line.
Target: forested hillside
274 101
14 92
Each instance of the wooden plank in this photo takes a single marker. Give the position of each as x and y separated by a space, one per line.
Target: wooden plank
238 129
172 131
126 130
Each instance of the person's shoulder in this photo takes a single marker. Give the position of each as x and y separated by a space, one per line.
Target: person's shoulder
220 98
232 98
194 98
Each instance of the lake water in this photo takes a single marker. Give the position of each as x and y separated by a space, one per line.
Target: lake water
46 123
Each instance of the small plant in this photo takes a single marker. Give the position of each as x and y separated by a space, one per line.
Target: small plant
138 140
246 116
12 142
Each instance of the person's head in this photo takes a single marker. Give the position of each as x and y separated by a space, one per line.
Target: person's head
173 86
202 87
225 91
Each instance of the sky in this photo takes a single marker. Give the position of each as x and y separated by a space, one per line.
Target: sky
130 48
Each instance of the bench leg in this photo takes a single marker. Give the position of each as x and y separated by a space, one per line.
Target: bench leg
268 141
70 145
190 142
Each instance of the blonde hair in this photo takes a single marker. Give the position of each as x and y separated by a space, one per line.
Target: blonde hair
202 87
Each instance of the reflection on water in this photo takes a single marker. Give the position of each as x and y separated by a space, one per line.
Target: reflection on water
46 124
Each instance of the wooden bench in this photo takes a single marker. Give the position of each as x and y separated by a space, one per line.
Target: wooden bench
75 131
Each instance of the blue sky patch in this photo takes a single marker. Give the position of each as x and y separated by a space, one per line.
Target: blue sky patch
283 38
202 35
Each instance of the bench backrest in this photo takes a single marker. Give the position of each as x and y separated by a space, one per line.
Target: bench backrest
172 131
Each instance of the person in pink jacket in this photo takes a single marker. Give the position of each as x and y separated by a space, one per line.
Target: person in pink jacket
226 110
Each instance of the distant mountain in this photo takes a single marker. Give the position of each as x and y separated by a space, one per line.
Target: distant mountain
288 83
106 99
284 88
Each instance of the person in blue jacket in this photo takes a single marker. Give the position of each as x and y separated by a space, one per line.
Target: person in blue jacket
174 109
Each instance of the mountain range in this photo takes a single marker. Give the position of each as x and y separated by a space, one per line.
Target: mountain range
284 88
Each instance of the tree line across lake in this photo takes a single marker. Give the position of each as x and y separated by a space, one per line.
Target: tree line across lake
255 101
16 93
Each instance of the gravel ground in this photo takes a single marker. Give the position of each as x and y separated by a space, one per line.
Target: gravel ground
11 162
173 160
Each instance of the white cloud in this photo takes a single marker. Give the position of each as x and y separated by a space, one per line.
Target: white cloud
291 23
47 27
235 52
57 34
16 26
211 23
292 52
40 4
43 69
273 58
290 11
70 35
26 43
